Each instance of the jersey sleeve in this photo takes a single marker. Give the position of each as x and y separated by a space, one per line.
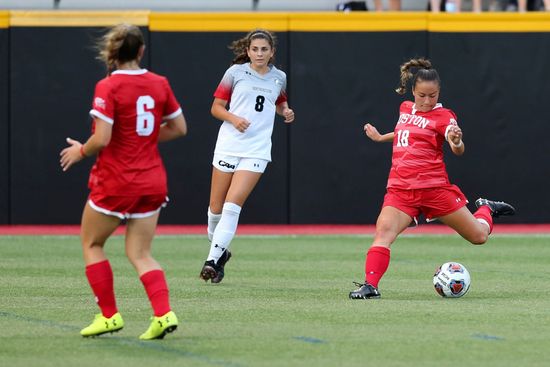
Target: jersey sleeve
103 106
172 108
225 88
445 122
282 95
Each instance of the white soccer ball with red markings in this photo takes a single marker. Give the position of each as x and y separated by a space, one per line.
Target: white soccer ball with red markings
451 279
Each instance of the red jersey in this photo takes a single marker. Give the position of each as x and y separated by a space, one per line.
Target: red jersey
135 102
417 159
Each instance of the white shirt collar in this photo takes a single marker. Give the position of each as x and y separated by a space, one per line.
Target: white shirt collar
438 105
130 72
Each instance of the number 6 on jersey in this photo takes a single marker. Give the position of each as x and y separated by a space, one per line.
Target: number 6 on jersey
145 123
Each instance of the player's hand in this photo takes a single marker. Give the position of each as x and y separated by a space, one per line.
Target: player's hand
372 132
241 124
71 154
288 114
455 135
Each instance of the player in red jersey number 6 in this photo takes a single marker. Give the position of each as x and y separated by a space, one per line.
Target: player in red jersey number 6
133 110
255 91
418 181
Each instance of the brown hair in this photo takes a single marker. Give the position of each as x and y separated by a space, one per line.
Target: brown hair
424 72
240 46
120 44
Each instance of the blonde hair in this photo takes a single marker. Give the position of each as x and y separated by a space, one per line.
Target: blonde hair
424 71
120 44
240 46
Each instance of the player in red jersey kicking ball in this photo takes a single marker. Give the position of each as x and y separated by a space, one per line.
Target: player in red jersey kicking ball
257 91
418 181
133 110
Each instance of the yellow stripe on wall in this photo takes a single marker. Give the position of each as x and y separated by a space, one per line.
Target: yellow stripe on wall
217 22
21 18
282 22
4 19
490 22
358 21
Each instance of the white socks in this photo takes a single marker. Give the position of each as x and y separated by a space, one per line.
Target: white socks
213 220
225 231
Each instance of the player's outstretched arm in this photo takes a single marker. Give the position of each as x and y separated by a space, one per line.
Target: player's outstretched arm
374 135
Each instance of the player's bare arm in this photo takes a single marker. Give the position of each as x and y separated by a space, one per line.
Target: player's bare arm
173 128
374 135
78 151
220 112
454 137
286 112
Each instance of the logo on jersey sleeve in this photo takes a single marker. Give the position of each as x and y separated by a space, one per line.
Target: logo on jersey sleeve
453 122
99 102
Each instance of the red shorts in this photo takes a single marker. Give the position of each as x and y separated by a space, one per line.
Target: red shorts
432 202
127 206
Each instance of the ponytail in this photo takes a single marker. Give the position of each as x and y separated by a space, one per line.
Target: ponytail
120 44
424 72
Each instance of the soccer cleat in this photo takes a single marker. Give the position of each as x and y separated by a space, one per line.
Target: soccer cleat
498 208
221 265
160 326
209 270
103 325
365 291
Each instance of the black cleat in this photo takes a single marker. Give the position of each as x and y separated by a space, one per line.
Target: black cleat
365 291
221 265
498 208
209 270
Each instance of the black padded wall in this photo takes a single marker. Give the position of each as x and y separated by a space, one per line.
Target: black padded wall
52 80
341 80
4 127
498 84
324 169
195 64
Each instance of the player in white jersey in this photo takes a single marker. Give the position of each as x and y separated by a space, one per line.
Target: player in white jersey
255 90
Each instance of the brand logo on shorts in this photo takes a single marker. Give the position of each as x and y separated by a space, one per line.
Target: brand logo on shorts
225 164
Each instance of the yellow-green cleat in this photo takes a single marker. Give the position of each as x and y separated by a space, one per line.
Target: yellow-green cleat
102 325
160 326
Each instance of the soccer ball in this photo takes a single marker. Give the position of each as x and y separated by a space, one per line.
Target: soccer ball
451 280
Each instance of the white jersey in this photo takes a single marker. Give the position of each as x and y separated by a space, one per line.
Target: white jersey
254 97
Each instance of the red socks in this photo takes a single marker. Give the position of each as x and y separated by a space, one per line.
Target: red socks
157 291
100 277
376 264
484 213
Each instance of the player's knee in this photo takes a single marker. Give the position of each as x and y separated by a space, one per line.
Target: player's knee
216 207
384 233
478 238
136 255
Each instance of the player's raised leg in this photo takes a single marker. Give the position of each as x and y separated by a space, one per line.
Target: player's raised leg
477 227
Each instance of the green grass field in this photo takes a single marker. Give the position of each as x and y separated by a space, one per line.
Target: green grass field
284 302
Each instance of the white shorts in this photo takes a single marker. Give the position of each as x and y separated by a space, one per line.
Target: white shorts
230 164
